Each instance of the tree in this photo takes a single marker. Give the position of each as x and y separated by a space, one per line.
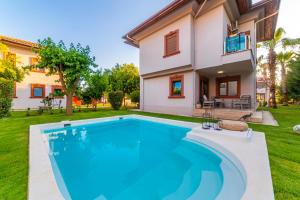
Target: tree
263 70
86 97
270 46
8 68
135 97
9 74
96 85
284 58
124 78
293 79
70 63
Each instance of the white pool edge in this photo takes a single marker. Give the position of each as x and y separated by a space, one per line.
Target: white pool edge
249 155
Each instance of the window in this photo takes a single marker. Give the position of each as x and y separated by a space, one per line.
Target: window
37 91
34 61
176 87
223 89
57 91
228 87
172 43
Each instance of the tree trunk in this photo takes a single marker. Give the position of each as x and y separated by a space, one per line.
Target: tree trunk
94 104
284 85
124 101
272 69
69 108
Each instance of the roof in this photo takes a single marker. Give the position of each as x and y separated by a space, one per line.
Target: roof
244 7
18 41
159 15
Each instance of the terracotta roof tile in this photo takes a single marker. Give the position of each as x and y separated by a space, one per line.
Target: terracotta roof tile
244 7
18 41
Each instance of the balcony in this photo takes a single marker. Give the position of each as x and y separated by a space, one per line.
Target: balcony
238 52
236 43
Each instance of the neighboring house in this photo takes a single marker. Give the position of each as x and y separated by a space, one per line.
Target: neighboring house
36 84
262 91
193 48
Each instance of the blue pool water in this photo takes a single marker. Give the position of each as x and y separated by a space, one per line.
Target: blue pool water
133 159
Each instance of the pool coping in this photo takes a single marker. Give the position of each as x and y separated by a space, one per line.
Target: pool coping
251 155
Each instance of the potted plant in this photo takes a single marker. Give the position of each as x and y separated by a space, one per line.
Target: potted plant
198 105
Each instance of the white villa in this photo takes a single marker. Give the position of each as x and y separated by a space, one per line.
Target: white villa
197 50
36 85
262 91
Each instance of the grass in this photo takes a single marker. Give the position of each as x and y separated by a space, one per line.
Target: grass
284 152
283 146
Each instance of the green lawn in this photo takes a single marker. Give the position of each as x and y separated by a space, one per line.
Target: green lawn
283 145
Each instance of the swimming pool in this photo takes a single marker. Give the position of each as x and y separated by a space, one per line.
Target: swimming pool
139 159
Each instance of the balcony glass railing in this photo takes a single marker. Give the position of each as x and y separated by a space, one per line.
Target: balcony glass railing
235 43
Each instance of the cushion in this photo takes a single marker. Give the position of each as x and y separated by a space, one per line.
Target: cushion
233 125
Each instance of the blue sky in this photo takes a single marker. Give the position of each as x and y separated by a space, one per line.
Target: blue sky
98 23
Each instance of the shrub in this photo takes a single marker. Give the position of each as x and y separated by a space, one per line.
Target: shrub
265 103
28 112
115 99
135 96
6 93
86 97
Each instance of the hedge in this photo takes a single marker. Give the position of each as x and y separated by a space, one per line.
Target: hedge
115 99
6 95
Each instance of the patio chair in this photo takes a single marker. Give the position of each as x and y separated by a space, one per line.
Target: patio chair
243 102
219 103
208 103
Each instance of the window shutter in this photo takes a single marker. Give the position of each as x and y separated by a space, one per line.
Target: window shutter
172 43
33 61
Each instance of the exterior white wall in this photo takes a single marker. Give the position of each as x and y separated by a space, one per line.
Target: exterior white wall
201 42
226 22
250 26
23 89
152 48
248 86
156 93
209 38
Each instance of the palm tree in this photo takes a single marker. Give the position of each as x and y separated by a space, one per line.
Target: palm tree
271 46
284 59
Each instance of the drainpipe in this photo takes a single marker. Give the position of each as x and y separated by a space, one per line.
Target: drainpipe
255 28
195 74
131 39
275 13
255 25
141 79
200 9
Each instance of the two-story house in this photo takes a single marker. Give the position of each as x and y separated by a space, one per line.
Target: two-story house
262 91
36 84
193 50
